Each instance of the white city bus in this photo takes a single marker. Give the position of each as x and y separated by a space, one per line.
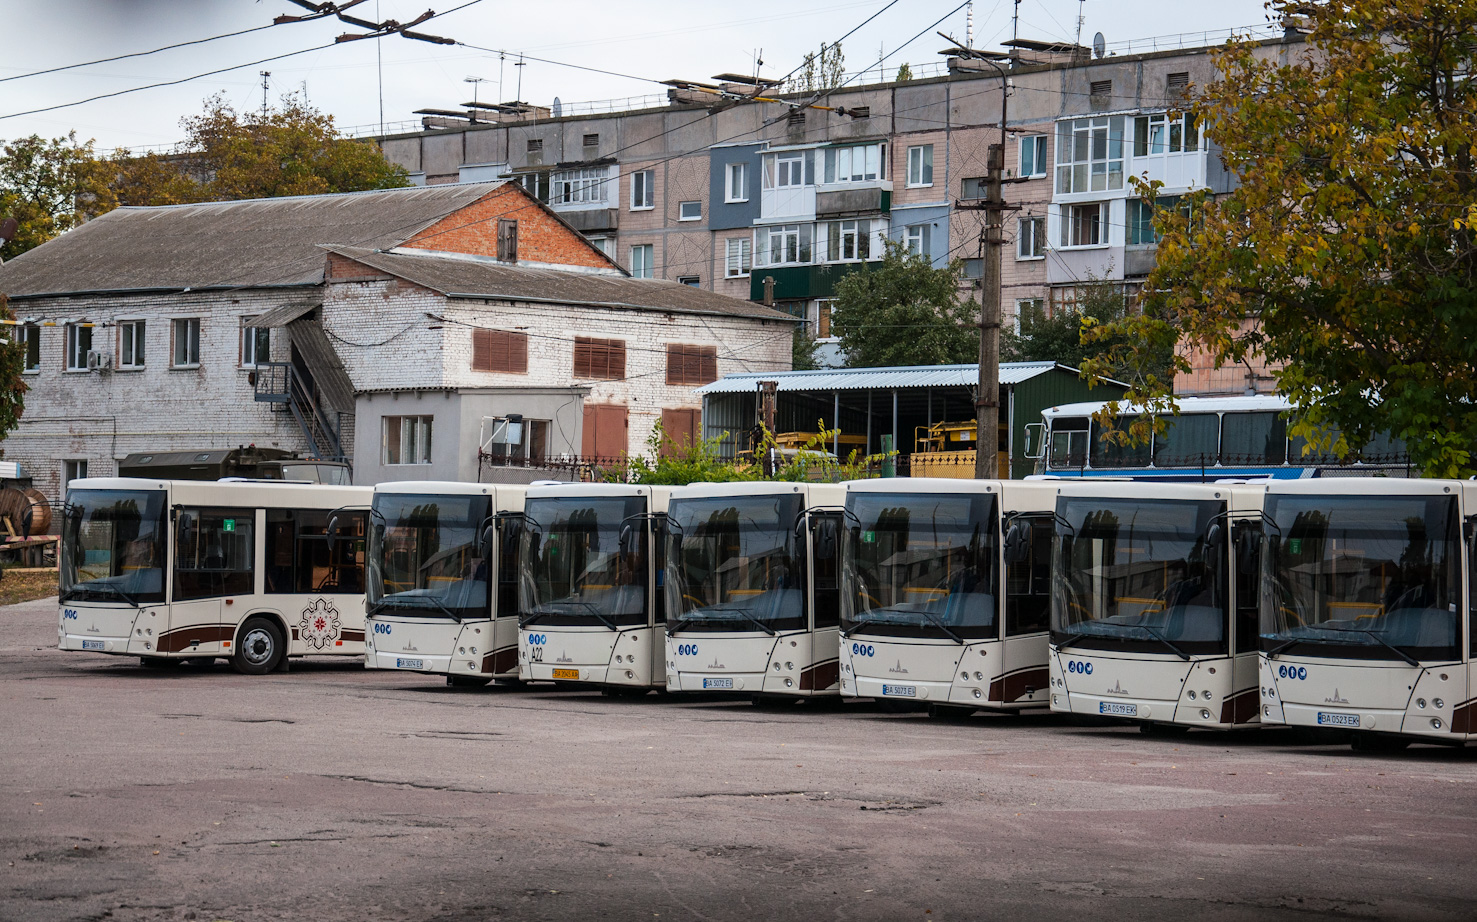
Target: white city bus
194 570
442 585
591 605
1154 603
753 588
937 607
1368 622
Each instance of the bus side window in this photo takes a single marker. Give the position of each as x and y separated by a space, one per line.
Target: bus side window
1028 583
1472 585
281 535
1248 550
215 553
826 541
659 564
510 536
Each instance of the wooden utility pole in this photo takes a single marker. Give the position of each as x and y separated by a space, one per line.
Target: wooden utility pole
767 396
987 402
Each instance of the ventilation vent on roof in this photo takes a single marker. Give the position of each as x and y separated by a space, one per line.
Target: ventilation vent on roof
1178 81
535 145
1102 88
592 140
860 112
796 118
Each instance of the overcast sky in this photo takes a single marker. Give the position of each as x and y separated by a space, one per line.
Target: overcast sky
645 40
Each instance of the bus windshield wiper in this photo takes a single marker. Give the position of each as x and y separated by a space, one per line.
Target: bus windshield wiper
590 609
1161 638
932 619
1387 645
1071 639
415 603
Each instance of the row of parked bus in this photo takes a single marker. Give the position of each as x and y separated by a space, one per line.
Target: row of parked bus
1340 603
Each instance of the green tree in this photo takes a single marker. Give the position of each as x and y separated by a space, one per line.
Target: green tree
803 350
904 74
1347 253
819 72
1069 335
12 385
49 187
902 311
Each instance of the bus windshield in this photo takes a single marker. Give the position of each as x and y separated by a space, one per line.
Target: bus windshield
1364 577
423 556
113 546
921 564
586 561
735 565
1137 576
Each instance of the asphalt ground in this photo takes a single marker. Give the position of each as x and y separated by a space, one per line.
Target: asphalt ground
332 793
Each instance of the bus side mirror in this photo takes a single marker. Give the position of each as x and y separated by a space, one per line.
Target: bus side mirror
487 539
825 540
1247 542
1215 535
332 531
1035 441
186 522
1018 542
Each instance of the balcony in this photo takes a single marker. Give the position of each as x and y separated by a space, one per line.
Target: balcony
800 283
853 200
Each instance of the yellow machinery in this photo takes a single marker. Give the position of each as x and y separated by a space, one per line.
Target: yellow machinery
947 450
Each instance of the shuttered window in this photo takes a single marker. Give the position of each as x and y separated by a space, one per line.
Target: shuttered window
599 358
691 364
499 350
683 430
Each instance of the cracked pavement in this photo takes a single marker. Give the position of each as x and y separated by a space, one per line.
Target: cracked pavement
331 793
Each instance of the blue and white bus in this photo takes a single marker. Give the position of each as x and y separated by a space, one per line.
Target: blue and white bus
1213 438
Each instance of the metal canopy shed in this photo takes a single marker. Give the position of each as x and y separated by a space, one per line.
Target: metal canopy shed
873 402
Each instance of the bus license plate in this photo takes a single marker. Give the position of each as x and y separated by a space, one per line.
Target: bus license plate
567 674
902 691
1337 720
1117 709
410 664
718 683
92 645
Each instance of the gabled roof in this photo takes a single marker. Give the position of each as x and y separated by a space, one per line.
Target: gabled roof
247 244
484 279
901 376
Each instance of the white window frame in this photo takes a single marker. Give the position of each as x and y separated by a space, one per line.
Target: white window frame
418 428
25 334
73 469
736 182
848 241
916 238
77 349
185 324
643 261
786 169
249 343
920 166
132 344
1162 136
643 193
796 245
1030 237
854 163
682 214
1036 144
1069 218
1090 154
738 264
579 187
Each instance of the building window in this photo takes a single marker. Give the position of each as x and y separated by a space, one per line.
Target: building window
1084 225
578 187
920 165
823 311
79 343
974 268
642 196
500 351
1030 238
1141 218
788 169
974 188
691 281
605 245
784 244
736 183
537 185
1035 308
29 334
256 345
848 240
1033 156
131 344
915 237
690 211
75 469
691 365
187 342
604 359
641 261
739 258
515 440
859 163
1160 134
1089 154
407 440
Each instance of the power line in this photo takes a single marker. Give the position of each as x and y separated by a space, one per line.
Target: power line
140 54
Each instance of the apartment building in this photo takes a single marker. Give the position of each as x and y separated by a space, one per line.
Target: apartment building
777 203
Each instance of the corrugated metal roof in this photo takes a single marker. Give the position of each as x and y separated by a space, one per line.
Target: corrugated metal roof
282 314
260 242
854 379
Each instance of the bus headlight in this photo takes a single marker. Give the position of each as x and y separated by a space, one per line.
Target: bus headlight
1192 695
1204 694
789 683
1420 702
1435 723
1438 703
978 693
1204 714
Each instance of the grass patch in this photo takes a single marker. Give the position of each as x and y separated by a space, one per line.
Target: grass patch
25 587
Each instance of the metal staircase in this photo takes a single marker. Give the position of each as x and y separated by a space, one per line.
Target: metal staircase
283 386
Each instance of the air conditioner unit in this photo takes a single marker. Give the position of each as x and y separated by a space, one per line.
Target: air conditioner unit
98 361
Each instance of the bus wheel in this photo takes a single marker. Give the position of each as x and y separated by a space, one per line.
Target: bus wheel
468 681
1375 742
260 648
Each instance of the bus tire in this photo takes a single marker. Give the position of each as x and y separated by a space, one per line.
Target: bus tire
468 681
260 647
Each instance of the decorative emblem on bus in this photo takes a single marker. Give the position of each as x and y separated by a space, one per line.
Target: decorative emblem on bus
563 657
898 669
319 626
1335 699
1117 689
410 648
716 665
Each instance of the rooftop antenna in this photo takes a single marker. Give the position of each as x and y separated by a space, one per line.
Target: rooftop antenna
266 74
1081 16
379 66
501 58
1015 22
519 64
969 24
758 63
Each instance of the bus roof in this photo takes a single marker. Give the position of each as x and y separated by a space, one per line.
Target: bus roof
256 492
1187 405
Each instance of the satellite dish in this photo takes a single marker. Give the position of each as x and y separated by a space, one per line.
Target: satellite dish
557 106
1099 46
8 228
